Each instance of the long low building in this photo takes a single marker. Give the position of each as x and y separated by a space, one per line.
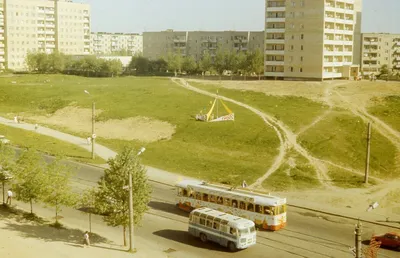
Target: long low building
196 43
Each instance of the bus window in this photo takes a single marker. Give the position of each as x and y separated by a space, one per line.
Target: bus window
227 202
209 223
205 197
198 196
233 231
269 210
259 209
202 221
219 200
242 205
216 225
212 198
234 204
190 217
283 208
250 207
184 192
191 194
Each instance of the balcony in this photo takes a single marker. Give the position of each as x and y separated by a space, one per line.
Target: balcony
333 64
274 63
2 52
347 53
275 30
2 60
276 9
177 40
52 19
332 75
275 52
1 37
280 19
275 41
50 32
398 58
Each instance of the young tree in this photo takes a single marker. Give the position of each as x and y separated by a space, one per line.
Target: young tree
112 196
189 64
174 61
31 61
87 202
56 62
31 179
205 63
257 62
232 62
7 165
243 63
220 62
58 191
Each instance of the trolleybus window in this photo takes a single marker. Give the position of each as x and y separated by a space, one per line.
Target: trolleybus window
234 203
205 197
250 207
212 198
259 208
227 202
242 205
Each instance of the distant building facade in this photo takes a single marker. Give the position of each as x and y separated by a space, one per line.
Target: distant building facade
380 49
42 26
103 43
196 43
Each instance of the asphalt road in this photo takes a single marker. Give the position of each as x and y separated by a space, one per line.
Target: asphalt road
307 235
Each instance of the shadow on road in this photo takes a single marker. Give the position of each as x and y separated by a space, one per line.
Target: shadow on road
187 239
168 207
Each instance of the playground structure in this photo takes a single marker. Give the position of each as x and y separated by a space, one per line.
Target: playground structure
211 117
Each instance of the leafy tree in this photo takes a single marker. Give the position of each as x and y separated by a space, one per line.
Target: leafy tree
243 63
58 191
43 64
139 64
113 199
159 65
174 61
256 60
220 61
189 64
384 69
7 165
31 179
115 67
56 62
31 61
205 63
232 62
87 201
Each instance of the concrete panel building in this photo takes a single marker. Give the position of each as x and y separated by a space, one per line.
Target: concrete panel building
380 49
42 26
104 43
311 39
196 43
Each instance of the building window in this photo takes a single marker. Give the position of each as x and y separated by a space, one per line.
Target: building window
302 36
293 3
302 3
292 36
301 26
291 69
302 48
301 59
291 47
301 70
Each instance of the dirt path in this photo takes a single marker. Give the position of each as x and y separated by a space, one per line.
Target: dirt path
288 140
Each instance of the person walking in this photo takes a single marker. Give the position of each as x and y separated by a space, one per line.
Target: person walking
244 184
9 196
86 239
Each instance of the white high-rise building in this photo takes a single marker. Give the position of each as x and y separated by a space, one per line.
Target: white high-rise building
104 43
311 39
42 26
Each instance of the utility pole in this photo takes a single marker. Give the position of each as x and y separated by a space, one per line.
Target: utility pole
368 153
131 224
357 232
93 132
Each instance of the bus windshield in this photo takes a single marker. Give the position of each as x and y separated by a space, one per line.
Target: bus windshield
243 231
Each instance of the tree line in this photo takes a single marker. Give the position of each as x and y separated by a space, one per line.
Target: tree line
33 180
57 62
239 63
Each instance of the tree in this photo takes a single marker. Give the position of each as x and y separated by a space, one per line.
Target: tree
384 69
232 62
115 67
7 165
87 202
31 179
174 61
31 61
256 60
243 63
111 197
205 63
159 65
220 61
56 62
189 64
58 191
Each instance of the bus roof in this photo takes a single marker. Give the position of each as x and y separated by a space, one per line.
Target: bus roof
257 198
233 221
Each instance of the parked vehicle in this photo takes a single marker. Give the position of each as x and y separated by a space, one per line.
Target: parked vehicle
391 240
222 228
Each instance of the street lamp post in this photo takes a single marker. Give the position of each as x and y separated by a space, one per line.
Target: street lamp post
131 224
93 136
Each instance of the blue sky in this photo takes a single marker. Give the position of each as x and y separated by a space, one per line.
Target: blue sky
155 15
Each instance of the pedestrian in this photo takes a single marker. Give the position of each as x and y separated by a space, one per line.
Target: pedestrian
89 140
86 240
16 119
36 127
244 184
9 196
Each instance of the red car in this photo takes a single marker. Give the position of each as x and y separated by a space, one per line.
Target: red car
389 240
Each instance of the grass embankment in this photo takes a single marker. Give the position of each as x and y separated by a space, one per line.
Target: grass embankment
387 109
223 152
339 138
25 139
295 112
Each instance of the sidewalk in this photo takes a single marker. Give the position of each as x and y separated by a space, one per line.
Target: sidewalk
166 177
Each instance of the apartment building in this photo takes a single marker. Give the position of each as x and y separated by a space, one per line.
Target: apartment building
42 26
196 43
380 49
104 43
311 39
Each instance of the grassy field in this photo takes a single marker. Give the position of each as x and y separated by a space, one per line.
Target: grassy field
224 152
341 138
295 174
387 109
294 111
48 145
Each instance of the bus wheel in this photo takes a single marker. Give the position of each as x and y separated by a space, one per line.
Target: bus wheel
232 247
203 238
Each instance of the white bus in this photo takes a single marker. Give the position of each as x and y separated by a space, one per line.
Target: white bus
266 211
222 228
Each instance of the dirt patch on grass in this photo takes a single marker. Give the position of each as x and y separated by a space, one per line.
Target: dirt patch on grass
134 128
